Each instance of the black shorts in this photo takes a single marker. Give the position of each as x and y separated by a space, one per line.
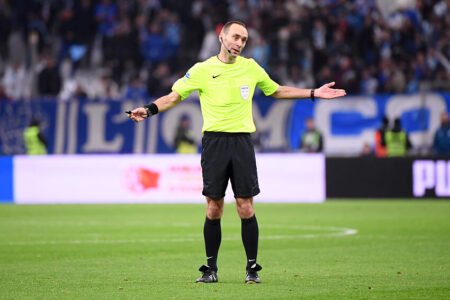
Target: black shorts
228 156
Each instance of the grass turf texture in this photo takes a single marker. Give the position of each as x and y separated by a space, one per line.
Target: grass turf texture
400 251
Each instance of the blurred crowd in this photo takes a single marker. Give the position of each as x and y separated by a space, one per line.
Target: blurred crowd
116 49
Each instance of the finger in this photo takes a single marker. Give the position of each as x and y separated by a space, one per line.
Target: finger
331 84
338 91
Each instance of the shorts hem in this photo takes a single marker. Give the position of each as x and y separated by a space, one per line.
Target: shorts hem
213 196
246 195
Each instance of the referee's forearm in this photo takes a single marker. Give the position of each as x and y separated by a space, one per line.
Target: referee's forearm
168 101
287 92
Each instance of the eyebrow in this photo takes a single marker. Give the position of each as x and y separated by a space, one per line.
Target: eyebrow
238 35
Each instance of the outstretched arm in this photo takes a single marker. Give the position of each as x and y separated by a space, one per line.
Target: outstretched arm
324 92
163 103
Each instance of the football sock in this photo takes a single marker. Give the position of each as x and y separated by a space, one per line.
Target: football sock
213 235
250 232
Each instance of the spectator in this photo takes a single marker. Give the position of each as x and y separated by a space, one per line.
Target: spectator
160 82
239 10
259 50
49 79
16 82
106 15
85 27
210 46
397 141
311 140
154 45
366 151
5 28
72 88
184 142
441 144
103 87
346 76
380 143
3 96
319 33
172 33
368 83
412 85
297 79
35 141
135 90
67 29
324 76
84 18
116 53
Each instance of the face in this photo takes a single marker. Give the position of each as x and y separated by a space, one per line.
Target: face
235 39
309 124
444 118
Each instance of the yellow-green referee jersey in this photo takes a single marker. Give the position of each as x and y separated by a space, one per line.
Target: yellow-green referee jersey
226 92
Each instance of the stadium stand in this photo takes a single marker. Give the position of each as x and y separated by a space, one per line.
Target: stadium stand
103 49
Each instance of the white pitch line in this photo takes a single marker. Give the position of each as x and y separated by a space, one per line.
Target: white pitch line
335 232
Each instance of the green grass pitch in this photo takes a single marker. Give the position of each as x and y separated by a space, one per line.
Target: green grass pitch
335 250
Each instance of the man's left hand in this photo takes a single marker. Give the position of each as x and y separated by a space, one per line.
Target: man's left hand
326 92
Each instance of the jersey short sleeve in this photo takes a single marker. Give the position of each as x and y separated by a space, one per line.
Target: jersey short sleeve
190 82
264 82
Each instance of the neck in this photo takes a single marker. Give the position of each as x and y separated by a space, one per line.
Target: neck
225 57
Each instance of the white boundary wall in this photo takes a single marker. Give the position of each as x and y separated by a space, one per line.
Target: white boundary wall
156 179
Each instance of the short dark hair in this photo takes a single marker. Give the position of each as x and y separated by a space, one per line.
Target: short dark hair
229 23
34 122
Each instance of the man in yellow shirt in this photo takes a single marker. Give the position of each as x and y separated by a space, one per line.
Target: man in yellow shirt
226 84
35 141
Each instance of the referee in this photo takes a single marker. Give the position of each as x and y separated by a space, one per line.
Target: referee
226 83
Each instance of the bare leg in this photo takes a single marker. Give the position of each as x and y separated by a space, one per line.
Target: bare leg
214 208
245 207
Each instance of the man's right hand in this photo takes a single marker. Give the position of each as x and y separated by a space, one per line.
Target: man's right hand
138 114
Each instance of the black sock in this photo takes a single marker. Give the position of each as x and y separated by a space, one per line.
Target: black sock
213 236
250 232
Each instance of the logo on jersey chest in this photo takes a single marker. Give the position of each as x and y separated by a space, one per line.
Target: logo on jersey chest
245 91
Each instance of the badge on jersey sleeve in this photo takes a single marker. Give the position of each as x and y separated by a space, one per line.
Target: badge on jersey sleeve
245 91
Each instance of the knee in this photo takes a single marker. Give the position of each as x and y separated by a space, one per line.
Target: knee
214 210
214 213
245 210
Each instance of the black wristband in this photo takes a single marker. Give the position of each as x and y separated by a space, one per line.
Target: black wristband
152 109
312 95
